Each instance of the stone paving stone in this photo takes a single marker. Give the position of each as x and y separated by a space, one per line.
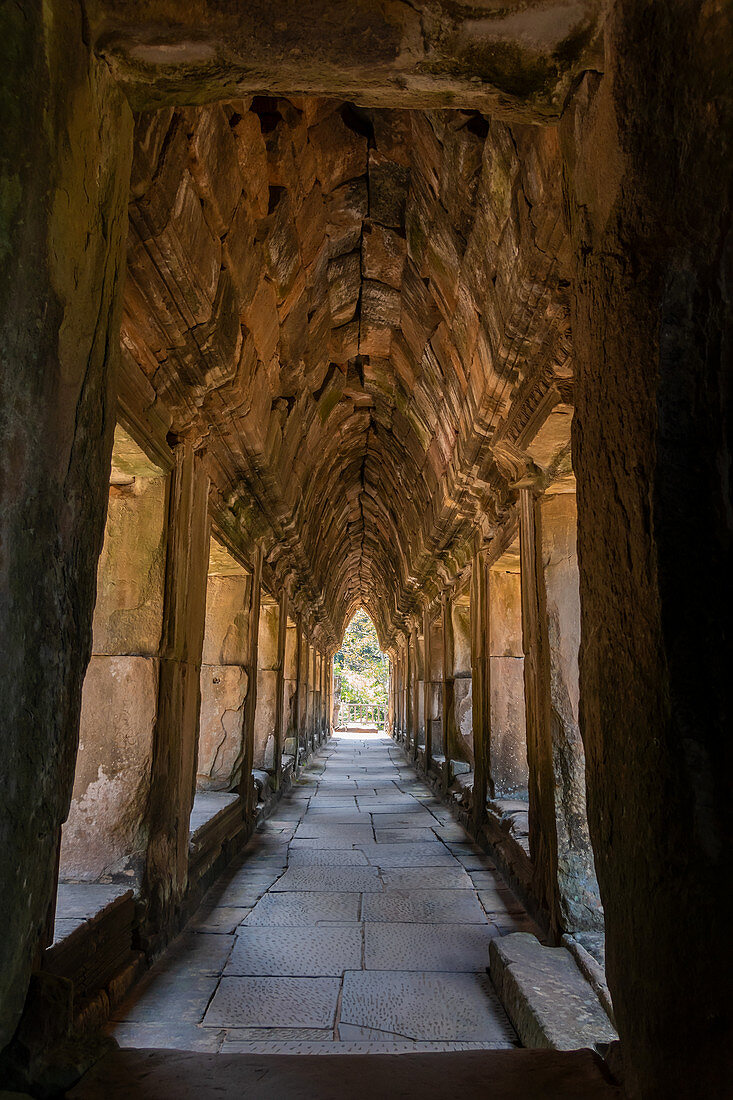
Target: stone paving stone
303 910
338 879
333 843
281 1002
369 1046
324 831
327 857
323 952
169 1034
244 894
427 878
424 907
197 952
502 903
336 817
449 831
221 919
403 836
278 1034
409 855
426 1006
404 821
447 947
170 996
485 880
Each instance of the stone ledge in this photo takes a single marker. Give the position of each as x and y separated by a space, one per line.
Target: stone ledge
546 997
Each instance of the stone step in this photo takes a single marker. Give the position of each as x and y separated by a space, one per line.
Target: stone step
545 995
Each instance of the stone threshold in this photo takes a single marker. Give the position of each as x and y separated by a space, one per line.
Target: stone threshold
500 1074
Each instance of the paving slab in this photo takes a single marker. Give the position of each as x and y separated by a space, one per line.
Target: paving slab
426 1006
327 857
317 952
453 948
327 879
324 831
304 909
280 1002
426 878
424 907
222 919
409 855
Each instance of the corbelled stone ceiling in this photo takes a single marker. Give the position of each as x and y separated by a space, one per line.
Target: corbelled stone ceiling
357 313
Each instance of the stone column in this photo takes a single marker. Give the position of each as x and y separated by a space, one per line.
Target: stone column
246 785
483 786
542 827
297 694
67 145
649 166
306 693
448 685
406 694
320 699
282 633
427 690
175 738
415 691
578 889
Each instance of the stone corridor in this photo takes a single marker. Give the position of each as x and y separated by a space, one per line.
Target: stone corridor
358 920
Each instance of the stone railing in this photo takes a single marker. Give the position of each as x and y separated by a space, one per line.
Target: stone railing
362 714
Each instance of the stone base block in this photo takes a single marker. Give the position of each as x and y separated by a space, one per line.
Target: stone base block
546 997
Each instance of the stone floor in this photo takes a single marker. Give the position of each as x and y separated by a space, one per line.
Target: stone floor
357 921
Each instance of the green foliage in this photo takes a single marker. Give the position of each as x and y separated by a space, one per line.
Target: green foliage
361 664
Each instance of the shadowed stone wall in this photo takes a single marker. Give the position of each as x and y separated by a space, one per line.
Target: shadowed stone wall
64 172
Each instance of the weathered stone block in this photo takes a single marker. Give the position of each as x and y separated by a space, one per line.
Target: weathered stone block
383 255
547 998
106 830
223 693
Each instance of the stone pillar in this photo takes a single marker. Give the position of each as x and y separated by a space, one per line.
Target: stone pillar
578 889
648 165
405 672
282 633
298 693
483 786
175 739
246 785
224 680
406 693
415 691
542 827
448 685
67 145
427 690
317 697
306 694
